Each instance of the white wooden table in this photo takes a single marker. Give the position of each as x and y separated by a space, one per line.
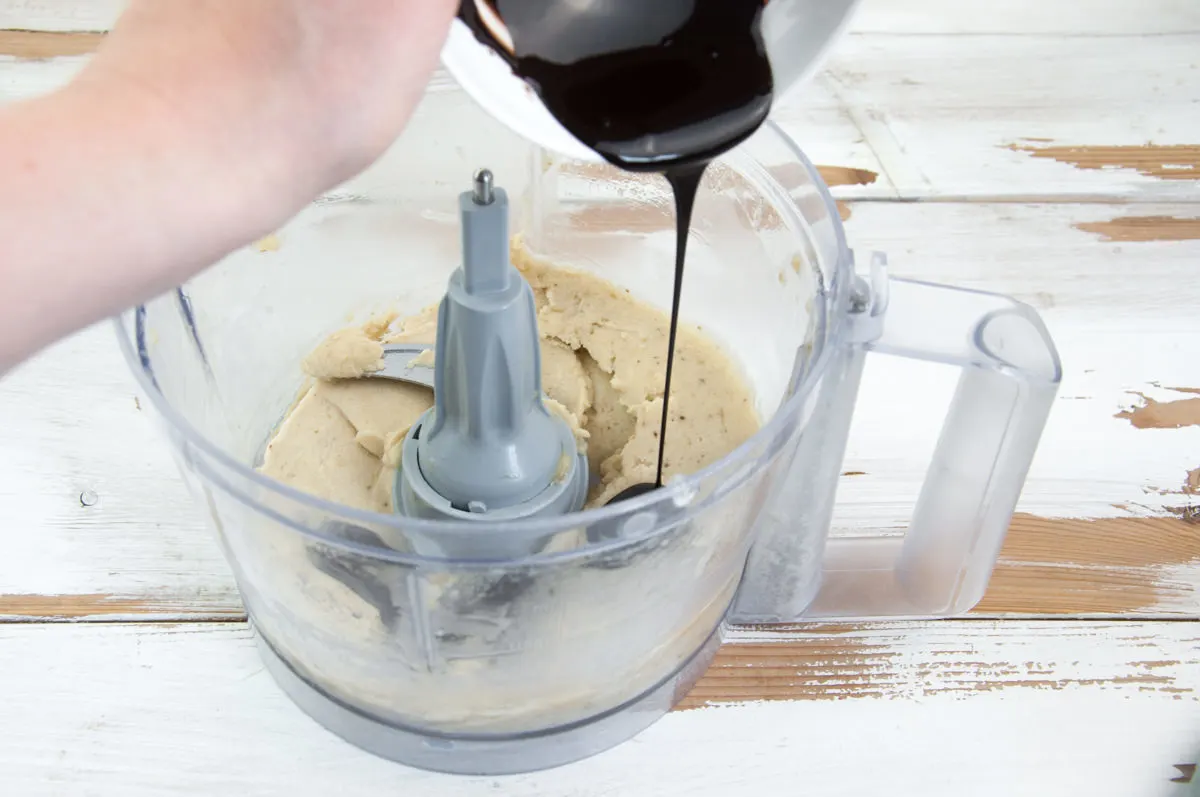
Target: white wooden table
1048 150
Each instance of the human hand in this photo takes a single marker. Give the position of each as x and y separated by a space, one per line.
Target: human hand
313 91
199 126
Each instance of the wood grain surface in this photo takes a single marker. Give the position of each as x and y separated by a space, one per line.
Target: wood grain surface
943 709
145 544
1045 150
952 116
1145 228
1173 162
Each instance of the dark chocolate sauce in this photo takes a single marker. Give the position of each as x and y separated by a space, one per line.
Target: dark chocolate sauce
651 85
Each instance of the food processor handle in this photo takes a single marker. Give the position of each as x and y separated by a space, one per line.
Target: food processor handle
1010 375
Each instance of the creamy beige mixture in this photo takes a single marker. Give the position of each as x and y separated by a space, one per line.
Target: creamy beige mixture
513 651
603 362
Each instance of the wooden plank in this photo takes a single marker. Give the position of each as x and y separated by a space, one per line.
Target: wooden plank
140 543
928 659
1018 17
951 116
1121 313
92 496
1066 567
60 15
938 709
1026 17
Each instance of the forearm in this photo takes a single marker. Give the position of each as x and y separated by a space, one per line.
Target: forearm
108 199
199 125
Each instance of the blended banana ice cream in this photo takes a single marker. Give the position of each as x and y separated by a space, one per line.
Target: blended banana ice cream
603 362
512 647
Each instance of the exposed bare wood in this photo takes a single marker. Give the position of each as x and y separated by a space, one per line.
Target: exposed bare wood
835 175
38 45
1163 414
1107 566
99 607
837 663
1145 228
1175 162
1088 108
1111 566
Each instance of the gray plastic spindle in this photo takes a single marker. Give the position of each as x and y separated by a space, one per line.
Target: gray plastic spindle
484 214
489 449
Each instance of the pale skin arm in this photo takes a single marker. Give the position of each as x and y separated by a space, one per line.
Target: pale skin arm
200 126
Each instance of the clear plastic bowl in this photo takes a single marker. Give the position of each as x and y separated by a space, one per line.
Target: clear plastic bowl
504 666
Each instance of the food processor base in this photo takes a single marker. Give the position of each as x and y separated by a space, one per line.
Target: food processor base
489 755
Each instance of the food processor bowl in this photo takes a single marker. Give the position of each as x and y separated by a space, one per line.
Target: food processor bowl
492 665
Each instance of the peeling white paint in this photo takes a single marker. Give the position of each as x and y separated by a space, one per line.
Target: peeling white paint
977 708
142 710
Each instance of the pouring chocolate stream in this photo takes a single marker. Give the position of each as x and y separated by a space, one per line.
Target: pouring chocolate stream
660 87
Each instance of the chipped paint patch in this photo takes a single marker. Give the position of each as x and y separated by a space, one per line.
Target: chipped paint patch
814 668
1162 414
1170 162
99 606
1144 228
1188 514
35 45
71 606
791 175
845 175
1102 566
916 660
1191 484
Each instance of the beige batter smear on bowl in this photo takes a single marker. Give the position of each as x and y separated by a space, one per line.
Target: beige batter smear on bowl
603 364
